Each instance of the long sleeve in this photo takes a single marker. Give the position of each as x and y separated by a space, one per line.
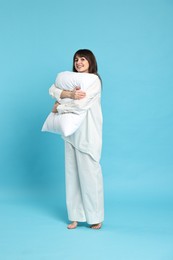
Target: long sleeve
80 106
55 92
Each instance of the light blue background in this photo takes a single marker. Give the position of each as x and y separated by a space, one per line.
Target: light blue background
132 41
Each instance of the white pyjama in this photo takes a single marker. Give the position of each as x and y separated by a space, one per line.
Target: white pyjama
84 186
84 183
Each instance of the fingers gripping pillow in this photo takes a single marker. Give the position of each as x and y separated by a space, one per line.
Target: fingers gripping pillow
66 124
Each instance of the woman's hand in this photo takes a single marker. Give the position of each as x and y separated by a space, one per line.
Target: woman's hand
77 93
54 109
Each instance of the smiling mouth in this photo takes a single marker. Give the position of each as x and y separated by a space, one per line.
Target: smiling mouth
79 67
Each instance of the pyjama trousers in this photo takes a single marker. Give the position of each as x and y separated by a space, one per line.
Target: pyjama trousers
84 186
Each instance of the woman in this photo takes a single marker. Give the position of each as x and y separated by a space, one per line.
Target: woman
84 184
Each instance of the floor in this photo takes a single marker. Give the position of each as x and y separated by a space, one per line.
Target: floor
35 229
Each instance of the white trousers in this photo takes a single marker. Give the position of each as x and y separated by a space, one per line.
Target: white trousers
84 187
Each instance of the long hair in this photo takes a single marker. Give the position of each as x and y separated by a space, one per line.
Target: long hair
87 54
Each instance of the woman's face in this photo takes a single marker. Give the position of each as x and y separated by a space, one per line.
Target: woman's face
81 64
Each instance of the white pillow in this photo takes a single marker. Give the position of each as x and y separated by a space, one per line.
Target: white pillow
68 80
63 124
66 124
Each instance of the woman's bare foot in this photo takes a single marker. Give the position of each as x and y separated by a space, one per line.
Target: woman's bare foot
72 225
96 226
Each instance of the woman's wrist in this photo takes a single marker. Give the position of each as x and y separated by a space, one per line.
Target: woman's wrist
66 94
76 93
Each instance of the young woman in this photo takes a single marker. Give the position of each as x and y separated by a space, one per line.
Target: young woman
84 182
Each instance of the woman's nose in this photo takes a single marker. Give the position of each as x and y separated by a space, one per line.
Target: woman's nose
79 62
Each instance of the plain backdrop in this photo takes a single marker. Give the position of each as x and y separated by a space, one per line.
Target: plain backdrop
132 41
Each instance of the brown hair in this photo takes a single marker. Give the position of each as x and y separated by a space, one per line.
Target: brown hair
90 58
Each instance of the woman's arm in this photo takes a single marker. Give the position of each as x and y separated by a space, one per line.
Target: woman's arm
81 105
76 93
59 94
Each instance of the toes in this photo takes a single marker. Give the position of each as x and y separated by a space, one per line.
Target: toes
96 226
72 225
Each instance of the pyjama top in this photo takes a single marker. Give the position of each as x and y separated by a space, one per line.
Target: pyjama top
88 137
